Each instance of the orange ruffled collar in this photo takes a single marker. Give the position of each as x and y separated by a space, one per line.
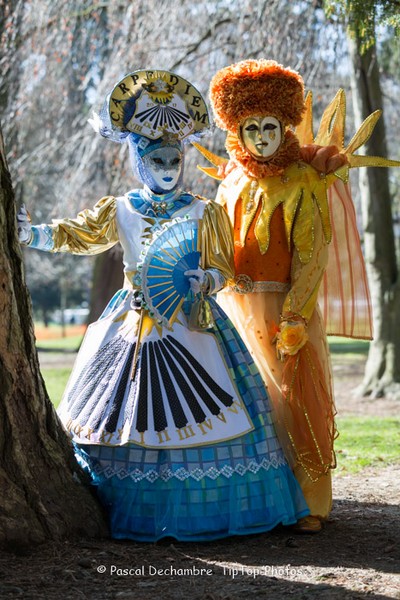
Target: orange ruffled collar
288 152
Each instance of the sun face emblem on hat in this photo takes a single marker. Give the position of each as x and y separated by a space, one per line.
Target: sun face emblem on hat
159 90
153 103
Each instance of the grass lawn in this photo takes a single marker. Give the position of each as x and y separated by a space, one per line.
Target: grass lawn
367 441
67 344
339 345
51 337
56 381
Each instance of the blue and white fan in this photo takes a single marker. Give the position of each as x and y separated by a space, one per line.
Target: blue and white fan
172 252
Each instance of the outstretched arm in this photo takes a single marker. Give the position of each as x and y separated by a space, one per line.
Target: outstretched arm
91 232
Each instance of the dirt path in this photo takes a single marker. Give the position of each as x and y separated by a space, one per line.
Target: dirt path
357 555
348 371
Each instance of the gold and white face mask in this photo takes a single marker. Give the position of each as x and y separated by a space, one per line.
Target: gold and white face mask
261 136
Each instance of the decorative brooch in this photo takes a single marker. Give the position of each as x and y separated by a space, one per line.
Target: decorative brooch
243 284
159 208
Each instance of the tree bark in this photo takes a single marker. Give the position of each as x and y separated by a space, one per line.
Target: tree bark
44 491
382 373
108 277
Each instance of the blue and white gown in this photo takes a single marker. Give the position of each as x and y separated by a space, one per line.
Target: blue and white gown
181 444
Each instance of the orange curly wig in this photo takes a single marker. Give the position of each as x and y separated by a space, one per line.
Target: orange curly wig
256 88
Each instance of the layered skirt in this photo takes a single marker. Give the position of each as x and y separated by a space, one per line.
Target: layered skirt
175 429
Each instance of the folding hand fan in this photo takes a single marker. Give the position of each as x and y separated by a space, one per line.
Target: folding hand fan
172 252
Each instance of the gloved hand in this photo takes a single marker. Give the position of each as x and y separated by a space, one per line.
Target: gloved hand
24 225
291 337
325 159
197 279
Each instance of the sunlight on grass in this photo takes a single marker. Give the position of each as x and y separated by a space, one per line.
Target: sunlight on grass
367 441
51 338
340 345
56 381
71 343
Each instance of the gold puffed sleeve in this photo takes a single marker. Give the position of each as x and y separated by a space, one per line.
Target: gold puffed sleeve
306 278
216 240
91 232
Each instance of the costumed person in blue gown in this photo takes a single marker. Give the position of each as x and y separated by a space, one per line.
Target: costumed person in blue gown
165 406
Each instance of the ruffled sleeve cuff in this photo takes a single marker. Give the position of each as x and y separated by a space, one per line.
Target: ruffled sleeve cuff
42 238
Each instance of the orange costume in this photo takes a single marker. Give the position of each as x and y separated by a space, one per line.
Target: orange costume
300 273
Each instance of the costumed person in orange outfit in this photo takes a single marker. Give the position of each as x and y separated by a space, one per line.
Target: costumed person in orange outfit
300 273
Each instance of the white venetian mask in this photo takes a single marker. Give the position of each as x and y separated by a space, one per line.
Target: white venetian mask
262 136
163 167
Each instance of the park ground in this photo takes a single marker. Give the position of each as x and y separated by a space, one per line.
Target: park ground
356 556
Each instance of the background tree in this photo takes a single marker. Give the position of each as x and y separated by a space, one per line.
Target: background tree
71 52
52 279
382 374
38 473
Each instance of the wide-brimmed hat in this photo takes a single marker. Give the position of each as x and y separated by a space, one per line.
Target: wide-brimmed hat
156 104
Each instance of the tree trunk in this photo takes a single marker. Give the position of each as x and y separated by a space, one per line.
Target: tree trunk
108 277
43 494
382 374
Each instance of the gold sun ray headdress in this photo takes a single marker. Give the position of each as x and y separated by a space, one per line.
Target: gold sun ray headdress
300 186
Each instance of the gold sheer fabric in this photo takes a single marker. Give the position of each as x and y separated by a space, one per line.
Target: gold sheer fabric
300 386
344 294
91 232
254 315
216 240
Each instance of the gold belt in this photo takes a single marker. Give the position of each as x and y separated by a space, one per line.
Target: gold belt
245 285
